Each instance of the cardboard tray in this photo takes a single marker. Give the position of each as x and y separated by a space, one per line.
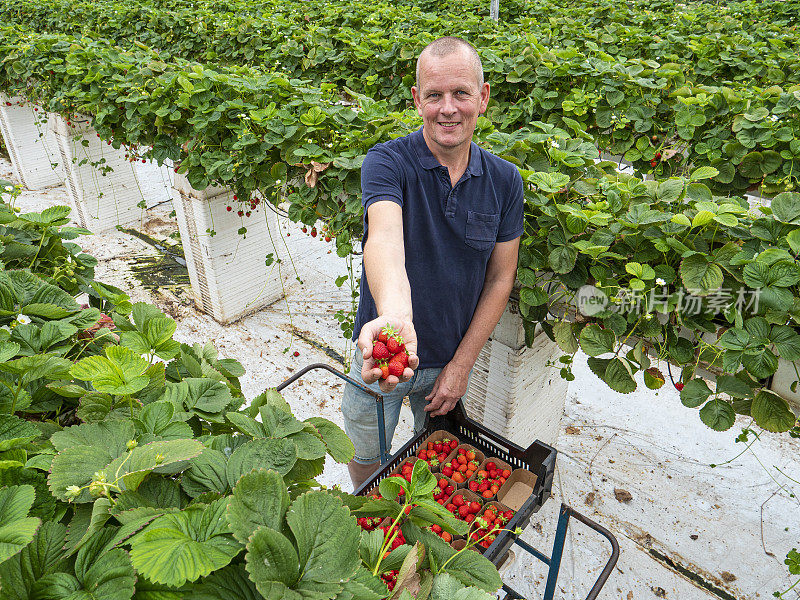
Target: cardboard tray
499 462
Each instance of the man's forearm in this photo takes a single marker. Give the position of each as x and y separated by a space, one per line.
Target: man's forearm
491 304
387 279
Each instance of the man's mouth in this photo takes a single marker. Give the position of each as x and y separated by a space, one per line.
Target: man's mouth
448 124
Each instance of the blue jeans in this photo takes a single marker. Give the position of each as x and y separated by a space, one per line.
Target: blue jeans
360 409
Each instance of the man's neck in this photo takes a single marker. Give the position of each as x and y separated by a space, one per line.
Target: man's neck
455 159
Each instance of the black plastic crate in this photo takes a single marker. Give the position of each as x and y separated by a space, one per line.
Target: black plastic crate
538 458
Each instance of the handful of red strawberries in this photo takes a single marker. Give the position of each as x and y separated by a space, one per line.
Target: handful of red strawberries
389 352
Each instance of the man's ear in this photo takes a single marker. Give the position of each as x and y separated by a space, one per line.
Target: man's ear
485 92
417 100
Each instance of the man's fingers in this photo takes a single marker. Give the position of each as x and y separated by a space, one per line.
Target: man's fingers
388 384
369 372
445 408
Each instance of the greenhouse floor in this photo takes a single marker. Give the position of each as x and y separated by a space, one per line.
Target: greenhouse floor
638 464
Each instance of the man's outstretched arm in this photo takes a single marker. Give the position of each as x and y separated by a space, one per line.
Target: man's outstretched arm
385 268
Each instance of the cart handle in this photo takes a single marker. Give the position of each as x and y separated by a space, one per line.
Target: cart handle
612 561
360 385
554 562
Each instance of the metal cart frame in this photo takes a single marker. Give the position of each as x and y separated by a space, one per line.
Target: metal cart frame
566 512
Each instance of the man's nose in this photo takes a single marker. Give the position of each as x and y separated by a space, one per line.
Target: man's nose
449 104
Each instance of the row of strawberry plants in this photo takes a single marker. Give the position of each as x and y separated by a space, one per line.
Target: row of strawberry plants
648 112
765 54
129 469
585 223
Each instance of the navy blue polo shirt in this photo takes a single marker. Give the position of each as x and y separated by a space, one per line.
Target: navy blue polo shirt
449 233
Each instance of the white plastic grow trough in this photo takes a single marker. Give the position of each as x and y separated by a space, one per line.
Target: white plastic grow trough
228 271
513 390
103 198
33 150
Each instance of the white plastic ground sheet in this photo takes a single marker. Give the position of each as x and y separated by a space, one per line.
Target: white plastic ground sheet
639 464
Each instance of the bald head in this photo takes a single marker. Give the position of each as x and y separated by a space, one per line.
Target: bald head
445 46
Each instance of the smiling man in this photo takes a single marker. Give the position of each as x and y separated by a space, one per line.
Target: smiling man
442 223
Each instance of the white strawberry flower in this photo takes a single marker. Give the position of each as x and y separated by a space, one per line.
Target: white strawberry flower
660 281
23 319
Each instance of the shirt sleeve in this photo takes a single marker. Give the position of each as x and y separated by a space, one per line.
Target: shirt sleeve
381 178
512 218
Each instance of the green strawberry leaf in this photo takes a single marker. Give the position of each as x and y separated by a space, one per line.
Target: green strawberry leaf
16 527
184 546
15 432
337 444
772 412
694 393
266 453
718 415
259 499
206 473
271 557
327 537
121 371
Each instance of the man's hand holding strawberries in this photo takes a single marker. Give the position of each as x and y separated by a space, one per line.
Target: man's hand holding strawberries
389 348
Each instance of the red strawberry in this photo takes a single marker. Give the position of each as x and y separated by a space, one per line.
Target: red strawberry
453 444
393 345
384 369
380 351
402 357
437 446
386 333
473 486
442 483
447 471
396 368
679 386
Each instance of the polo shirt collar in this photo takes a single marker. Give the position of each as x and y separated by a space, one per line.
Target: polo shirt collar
429 161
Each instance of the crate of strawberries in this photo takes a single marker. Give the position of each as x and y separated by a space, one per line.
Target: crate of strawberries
485 457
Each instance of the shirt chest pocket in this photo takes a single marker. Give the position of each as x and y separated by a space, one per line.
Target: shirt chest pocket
481 231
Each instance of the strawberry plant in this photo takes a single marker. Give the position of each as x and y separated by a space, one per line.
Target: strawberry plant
141 473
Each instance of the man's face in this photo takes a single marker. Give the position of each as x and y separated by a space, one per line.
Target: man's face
449 100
